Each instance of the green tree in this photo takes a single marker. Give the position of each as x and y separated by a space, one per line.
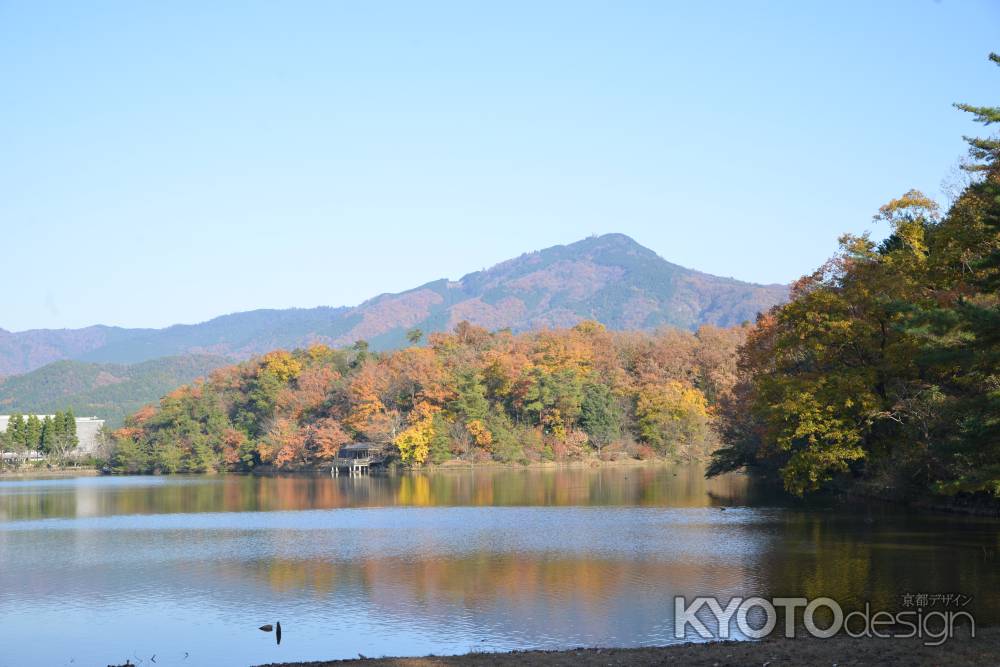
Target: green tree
972 453
600 415
507 446
5 447
48 440
59 425
69 429
16 438
361 353
414 335
33 433
440 444
129 456
470 402
16 431
553 399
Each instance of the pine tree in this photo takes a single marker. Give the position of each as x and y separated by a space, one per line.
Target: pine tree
470 403
975 453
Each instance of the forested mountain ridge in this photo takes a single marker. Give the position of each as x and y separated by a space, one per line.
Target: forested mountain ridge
610 278
108 391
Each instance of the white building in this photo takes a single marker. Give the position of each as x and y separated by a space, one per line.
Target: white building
87 429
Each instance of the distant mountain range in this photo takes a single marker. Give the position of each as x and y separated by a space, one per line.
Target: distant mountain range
608 278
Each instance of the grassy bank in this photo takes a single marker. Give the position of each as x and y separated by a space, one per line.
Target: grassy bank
842 651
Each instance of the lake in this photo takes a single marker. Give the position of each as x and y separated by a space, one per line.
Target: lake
95 570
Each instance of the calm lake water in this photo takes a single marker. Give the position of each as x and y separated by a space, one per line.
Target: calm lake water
97 570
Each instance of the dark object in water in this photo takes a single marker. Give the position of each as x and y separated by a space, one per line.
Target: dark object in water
267 628
278 633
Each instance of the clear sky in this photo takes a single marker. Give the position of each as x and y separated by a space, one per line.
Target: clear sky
166 162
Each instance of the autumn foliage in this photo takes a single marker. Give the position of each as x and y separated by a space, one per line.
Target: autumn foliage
469 394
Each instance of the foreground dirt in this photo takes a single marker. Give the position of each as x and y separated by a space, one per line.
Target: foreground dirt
839 651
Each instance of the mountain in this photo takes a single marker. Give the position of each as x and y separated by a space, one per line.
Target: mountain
609 278
109 391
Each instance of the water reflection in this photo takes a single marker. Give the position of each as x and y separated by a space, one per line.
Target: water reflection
675 486
98 570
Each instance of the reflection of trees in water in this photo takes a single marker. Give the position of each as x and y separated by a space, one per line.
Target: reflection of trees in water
561 595
676 486
852 555
861 557
803 555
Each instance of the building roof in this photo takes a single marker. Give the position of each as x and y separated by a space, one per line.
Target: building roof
360 446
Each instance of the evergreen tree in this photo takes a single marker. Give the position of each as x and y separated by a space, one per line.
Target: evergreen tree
49 438
361 353
600 415
973 455
69 429
58 424
16 431
439 449
33 433
471 401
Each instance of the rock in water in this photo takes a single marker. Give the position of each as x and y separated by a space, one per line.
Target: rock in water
266 628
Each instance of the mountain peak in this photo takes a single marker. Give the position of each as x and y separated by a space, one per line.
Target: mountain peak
614 242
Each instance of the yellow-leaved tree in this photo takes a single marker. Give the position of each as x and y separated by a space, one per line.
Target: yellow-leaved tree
673 418
414 442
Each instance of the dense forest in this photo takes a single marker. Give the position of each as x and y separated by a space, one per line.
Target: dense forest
471 394
884 368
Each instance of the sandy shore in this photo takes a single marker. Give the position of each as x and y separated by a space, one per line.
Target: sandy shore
839 651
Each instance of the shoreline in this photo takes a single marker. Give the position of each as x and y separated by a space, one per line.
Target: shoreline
840 650
54 473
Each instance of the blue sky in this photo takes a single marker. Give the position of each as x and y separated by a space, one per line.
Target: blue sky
170 162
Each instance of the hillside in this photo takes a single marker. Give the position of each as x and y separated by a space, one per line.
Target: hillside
611 279
109 391
553 395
